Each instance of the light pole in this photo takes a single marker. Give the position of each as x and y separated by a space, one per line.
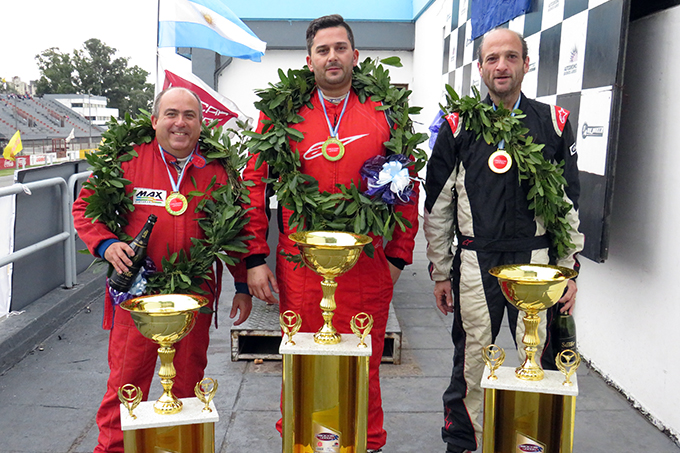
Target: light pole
16 112
89 117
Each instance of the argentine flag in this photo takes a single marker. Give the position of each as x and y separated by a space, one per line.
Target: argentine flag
206 24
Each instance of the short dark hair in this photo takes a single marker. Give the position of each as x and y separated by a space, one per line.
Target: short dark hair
334 20
525 49
155 111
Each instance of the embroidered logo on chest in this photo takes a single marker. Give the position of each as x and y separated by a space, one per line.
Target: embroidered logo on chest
315 150
148 197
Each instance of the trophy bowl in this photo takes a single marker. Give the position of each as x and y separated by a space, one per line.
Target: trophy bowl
532 288
165 319
329 254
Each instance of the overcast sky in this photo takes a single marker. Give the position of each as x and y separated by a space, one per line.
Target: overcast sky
29 27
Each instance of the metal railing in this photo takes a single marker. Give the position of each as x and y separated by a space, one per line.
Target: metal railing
68 234
71 241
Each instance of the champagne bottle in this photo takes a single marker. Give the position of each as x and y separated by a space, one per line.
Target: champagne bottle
565 332
123 282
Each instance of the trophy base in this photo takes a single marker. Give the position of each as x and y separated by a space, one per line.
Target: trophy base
167 405
324 337
529 374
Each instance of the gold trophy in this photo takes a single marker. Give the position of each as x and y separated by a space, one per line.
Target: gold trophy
165 319
329 254
532 288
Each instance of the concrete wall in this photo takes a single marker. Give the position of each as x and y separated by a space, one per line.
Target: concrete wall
628 307
428 82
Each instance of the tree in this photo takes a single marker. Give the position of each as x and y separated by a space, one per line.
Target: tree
93 70
56 72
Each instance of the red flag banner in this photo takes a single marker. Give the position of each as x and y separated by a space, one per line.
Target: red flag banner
213 109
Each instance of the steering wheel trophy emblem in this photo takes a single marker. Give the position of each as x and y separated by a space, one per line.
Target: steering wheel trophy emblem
361 325
568 362
130 396
493 356
205 391
290 324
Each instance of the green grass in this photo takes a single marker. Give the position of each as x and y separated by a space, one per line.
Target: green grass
10 171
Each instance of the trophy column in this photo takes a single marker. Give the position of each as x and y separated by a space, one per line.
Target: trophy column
325 394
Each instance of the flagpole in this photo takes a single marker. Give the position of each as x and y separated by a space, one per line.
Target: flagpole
158 34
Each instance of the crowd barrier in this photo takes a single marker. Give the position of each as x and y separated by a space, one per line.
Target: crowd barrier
68 233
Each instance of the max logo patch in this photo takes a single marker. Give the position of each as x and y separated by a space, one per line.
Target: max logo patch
149 197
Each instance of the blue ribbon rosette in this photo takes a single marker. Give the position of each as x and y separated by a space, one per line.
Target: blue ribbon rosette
388 178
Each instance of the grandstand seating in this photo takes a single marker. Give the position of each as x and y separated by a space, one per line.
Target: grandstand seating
39 118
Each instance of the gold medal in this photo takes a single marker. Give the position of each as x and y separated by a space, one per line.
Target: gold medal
333 149
500 161
176 203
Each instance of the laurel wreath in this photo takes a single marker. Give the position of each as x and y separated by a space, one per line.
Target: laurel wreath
545 179
221 205
349 209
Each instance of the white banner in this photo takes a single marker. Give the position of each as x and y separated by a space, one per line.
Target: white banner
592 134
7 207
572 53
37 159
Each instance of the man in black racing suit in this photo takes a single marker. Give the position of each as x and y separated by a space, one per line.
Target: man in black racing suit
475 202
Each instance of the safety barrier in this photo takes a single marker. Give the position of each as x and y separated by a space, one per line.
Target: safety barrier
68 234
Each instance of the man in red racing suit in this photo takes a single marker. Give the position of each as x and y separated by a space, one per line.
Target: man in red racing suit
368 286
131 356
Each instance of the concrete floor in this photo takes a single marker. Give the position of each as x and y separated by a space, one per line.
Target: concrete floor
6 180
50 397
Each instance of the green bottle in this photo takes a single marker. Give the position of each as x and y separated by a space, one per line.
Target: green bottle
565 332
123 282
